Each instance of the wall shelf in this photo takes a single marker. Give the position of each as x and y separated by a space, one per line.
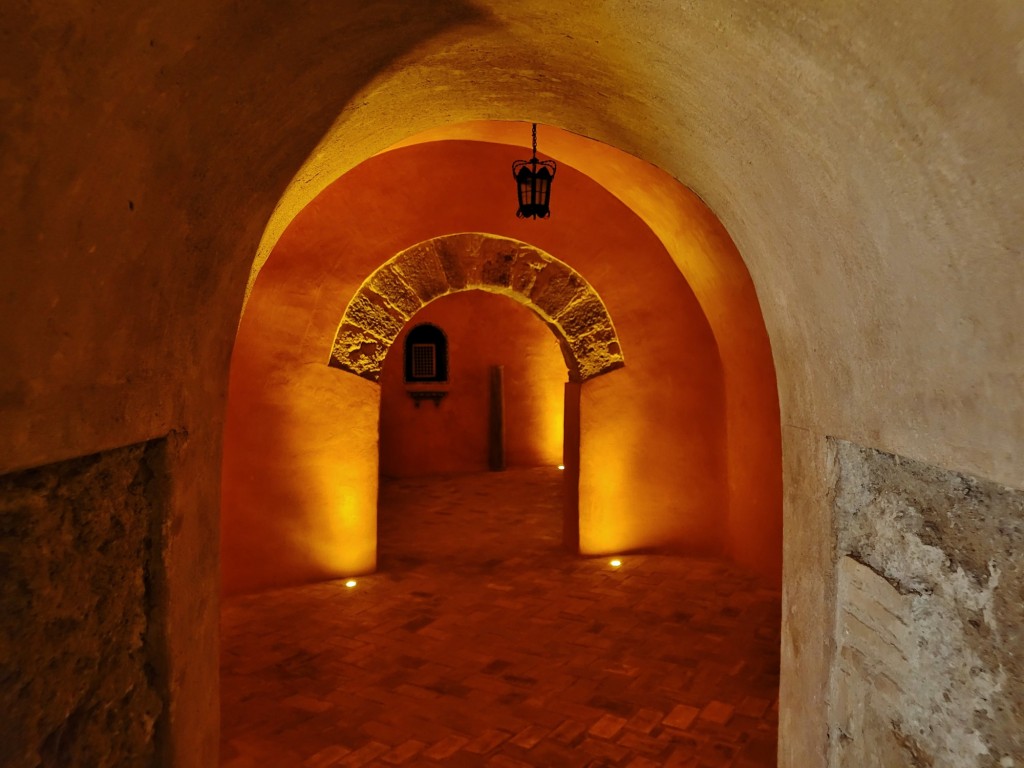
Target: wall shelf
419 395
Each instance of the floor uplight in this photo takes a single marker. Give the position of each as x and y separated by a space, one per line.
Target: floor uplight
615 563
350 583
561 466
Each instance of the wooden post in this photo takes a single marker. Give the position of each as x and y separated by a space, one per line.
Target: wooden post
496 435
571 462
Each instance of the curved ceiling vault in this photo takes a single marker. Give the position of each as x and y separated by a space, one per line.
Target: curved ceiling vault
402 286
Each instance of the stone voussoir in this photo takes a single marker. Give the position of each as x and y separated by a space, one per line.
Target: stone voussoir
455 254
528 264
556 288
597 353
358 352
497 259
584 316
369 312
388 283
421 269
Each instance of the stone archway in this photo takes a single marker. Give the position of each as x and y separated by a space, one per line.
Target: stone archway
558 294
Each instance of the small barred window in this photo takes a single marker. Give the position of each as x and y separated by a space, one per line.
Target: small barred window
426 354
424 359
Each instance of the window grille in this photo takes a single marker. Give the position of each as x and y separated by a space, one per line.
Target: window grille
424 361
426 355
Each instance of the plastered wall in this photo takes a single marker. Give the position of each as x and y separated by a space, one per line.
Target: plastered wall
863 156
483 330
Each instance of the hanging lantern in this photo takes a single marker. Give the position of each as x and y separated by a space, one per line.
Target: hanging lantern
533 184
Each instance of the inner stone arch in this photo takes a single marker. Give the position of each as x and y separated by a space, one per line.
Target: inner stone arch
466 261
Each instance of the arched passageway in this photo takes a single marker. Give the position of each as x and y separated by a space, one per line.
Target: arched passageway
557 295
522 415
467 423
680 447
666 358
864 156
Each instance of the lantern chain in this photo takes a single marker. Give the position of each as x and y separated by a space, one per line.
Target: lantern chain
535 140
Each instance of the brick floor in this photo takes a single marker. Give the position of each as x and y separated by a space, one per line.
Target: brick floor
481 643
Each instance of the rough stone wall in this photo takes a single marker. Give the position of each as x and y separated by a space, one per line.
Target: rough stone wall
930 616
81 639
462 262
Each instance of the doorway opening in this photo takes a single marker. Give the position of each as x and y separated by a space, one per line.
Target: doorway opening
502 395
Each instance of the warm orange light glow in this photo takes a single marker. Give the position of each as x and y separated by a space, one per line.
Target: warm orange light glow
615 563
561 466
685 460
350 583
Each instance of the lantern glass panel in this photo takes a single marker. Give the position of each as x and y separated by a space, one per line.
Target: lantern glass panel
542 189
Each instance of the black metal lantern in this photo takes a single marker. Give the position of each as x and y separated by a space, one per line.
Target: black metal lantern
533 184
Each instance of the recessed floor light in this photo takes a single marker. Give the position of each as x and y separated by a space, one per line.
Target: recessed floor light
615 563
561 466
350 583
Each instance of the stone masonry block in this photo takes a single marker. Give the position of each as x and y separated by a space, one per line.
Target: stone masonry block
556 288
597 353
929 611
368 312
528 265
80 628
358 352
584 316
497 258
421 269
387 283
598 339
882 655
457 256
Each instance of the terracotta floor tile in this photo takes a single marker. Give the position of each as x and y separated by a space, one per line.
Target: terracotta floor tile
501 761
479 642
404 752
751 706
642 762
326 757
685 755
568 731
530 736
645 720
363 755
717 712
681 717
446 747
487 741
647 745
600 748
607 727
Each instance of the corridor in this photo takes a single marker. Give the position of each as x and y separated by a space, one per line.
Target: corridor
480 642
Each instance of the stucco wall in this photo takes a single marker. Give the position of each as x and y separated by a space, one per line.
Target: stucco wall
483 330
864 157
